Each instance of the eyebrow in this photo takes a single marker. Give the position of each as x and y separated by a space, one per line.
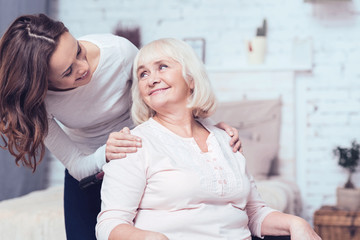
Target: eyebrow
140 68
64 73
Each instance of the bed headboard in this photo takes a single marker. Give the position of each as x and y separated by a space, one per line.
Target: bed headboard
267 99
258 123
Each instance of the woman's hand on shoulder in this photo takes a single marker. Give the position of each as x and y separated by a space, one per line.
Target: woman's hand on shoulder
120 143
235 142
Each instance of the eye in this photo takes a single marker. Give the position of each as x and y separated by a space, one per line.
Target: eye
69 73
162 66
70 69
143 74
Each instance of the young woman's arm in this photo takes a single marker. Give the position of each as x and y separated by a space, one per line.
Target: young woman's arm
235 142
79 164
120 143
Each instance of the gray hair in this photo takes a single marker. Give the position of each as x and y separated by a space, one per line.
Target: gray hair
202 100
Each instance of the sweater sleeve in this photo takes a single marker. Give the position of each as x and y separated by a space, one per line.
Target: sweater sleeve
256 208
79 164
121 193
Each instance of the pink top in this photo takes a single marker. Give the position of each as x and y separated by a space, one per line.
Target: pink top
170 186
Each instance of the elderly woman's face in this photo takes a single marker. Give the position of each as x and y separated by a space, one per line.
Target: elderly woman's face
162 85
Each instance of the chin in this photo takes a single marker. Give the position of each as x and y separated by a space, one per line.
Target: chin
83 82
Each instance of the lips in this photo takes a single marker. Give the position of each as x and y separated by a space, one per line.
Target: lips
83 76
156 91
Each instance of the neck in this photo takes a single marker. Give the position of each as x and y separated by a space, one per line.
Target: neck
183 126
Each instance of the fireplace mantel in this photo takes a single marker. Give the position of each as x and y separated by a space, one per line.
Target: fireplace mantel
284 67
267 82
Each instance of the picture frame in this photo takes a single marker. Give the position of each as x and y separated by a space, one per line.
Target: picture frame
199 46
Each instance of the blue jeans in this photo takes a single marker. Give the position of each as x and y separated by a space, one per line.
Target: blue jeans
81 207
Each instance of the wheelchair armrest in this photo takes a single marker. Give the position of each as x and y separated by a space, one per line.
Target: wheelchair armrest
272 238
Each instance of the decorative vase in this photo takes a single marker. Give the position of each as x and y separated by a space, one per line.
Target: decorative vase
256 49
348 198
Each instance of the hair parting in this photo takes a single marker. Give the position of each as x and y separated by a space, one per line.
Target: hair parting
38 36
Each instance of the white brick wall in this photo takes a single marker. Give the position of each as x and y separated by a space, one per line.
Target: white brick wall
327 98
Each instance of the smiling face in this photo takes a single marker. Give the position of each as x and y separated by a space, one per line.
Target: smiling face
69 67
162 85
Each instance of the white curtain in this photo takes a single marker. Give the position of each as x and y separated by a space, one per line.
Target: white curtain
19 180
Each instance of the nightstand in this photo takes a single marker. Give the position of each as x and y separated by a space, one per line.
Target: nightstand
332 223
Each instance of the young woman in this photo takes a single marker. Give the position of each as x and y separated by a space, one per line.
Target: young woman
184 183
71 96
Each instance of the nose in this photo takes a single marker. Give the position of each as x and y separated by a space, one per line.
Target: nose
83 66
154 79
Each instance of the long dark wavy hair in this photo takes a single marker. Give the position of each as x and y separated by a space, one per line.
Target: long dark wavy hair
25 51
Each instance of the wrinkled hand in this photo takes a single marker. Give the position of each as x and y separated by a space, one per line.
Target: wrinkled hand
120 143
235 142
301 230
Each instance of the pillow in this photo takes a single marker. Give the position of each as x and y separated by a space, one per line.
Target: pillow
258 123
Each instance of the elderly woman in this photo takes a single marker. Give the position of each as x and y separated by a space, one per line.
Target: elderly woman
185 183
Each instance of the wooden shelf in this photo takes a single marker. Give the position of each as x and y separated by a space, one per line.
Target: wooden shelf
264 68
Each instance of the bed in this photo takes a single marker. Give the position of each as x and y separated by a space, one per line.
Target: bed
39 215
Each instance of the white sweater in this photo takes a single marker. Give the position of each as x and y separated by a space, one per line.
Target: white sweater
80 120
171 186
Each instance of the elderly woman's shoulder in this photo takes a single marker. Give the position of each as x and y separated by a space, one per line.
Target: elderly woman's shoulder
146 131
219 133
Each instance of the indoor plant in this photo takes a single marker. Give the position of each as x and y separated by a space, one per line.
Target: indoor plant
348 197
